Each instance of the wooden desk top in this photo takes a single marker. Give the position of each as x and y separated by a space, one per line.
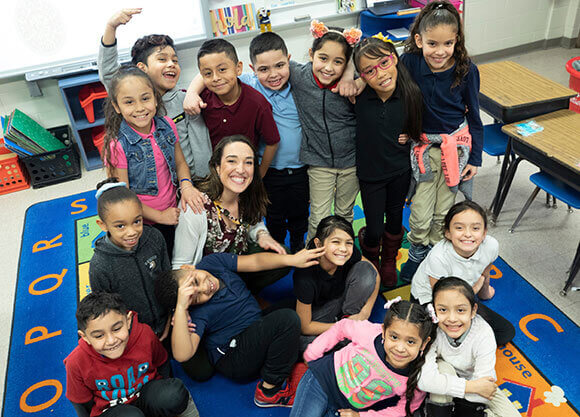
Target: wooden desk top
511 85
560 139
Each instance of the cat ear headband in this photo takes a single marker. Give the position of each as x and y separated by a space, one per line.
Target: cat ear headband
319 29
107 187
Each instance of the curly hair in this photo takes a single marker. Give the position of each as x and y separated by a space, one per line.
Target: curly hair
415 314
374 48
253 200
146 45
166 287
441 13
113 119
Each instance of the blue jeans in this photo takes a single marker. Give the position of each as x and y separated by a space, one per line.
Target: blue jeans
311 400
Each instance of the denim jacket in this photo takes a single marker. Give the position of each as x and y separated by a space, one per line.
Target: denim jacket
140 160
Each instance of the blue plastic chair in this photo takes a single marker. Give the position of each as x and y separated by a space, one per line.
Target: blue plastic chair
494 140
552 186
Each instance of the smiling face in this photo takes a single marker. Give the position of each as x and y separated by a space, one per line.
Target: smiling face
328 62
380 74
163 68
339 246
466 232
205 285
272 69
454 312
124 223
135 101
438 45
108 334
402 343
236 168
220 75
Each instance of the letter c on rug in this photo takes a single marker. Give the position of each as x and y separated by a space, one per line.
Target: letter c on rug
28 339
76 204
58 278
35 408
525 320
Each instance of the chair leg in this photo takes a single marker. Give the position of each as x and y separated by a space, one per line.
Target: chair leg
548 205
570 209
526 207
572 273
554 205
498 160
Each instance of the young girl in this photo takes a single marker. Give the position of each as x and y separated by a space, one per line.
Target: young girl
129 257
343 284
450 151
328 124
142 149
467 253
388 111
460 365
377 371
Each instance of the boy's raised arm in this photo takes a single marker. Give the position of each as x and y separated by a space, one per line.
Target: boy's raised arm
120 18
183 343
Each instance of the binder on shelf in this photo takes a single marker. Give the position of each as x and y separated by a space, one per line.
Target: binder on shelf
23 130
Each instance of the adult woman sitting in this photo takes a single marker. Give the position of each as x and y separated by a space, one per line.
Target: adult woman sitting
232 219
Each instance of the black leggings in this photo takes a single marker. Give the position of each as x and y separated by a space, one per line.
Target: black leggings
385 197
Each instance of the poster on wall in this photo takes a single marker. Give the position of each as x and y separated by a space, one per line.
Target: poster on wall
233 19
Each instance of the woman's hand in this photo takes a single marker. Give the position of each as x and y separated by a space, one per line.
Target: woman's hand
169 216
267 242
468 172
307 257
192 197
403 138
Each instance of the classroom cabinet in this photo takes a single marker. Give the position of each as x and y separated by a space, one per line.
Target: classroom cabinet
81 127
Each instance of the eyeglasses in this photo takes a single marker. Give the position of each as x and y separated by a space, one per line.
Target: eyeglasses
385 64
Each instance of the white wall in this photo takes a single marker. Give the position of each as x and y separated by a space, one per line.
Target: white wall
493 25
49 109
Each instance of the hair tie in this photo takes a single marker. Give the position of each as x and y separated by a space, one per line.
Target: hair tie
382 37
389 303
107 187
440 6
431 312
352 35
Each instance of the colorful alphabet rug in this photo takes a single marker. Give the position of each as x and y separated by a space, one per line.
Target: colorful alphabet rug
539 370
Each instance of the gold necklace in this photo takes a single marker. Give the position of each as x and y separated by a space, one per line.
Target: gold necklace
221 210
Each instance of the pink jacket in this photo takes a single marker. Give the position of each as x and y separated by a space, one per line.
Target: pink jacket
361 375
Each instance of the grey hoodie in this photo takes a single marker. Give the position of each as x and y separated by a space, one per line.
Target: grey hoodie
193 134
132 273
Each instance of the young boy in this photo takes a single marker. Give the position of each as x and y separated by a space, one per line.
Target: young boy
119 365
231 107
156 56
240 342
287 178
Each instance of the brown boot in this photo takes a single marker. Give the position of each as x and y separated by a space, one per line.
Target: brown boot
388 270
371 253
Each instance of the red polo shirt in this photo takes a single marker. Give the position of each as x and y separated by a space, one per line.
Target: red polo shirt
250 115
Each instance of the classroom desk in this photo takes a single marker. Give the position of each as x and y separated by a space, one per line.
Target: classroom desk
510 92
555 150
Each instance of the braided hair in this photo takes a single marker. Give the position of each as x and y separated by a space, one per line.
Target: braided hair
415 314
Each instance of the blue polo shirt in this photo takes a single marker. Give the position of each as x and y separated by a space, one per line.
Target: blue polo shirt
287 121
445 108
230 311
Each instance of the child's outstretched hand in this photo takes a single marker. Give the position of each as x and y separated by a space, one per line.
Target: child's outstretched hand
485 387
169 216
307 257
192 197
122 17
348 413
192 104
403 138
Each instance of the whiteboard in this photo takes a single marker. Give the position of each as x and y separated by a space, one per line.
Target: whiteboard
54 37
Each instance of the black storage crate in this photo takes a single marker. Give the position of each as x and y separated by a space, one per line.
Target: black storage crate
57 166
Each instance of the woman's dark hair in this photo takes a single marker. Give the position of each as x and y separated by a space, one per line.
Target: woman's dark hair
327 226
334 34
374 48
415 314
254 200
112 118
113 196
97 304
441 13
460 208
146 45
454 283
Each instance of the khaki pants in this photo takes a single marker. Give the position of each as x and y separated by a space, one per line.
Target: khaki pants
499 405
328 186
431 202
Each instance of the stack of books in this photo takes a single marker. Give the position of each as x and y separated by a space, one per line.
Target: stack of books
25 137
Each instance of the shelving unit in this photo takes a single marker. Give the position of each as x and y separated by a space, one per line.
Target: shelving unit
81 128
